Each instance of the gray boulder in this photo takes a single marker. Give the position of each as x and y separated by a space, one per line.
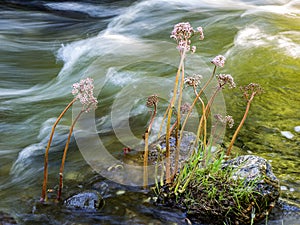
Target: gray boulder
254 168
87 200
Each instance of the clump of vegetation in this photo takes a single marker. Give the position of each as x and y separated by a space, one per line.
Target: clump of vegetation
82 91
201 185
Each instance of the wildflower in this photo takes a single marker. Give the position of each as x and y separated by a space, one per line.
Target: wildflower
193 50
219 60
226 120
229 120
225 79
152 100
251 88
183 45
84 92
200 30
194 80
182 33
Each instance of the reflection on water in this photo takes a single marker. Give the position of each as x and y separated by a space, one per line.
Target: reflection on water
47 46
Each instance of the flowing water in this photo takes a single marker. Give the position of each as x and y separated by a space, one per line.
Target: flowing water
46 46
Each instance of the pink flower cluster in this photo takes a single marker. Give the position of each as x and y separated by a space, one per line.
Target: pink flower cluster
182 33
219 61
226 79
194 80
84 92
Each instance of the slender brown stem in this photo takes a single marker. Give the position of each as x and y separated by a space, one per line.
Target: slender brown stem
62 166
173 127
207 108
194 103
146 150
240 125
168 161
177 150
162 122
44 189
146 160
203 118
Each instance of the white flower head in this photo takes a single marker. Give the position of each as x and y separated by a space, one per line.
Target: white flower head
84 91
182 33
219 61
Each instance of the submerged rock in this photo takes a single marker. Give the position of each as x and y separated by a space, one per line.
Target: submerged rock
6 219
87 200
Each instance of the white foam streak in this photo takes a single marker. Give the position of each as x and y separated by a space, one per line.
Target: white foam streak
289 9
90 9
119 78
24 158
253 36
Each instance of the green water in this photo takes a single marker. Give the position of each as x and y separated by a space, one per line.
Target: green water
131 56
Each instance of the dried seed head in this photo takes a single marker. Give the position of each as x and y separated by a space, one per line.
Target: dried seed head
250 89
152 100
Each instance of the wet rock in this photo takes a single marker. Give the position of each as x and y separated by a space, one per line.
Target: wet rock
254 168
157 149
247 191
285 210
87 200
257 174
6 219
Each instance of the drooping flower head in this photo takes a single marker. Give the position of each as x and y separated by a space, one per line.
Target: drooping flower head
152 100
84 92
219 61
182 33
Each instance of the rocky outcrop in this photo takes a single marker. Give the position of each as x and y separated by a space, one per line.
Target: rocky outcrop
256 170
242 191
87 200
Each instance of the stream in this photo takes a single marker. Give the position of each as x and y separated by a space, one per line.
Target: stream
125 46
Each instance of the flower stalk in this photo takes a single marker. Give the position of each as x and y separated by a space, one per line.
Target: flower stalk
46 156
83 91
249 92
152 101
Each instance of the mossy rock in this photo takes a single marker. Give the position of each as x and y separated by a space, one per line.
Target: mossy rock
244 190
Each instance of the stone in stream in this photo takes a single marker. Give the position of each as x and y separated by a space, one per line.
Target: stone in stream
6 219
255 168
249 193
86 200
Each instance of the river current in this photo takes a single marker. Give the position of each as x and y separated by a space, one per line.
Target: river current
125 46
